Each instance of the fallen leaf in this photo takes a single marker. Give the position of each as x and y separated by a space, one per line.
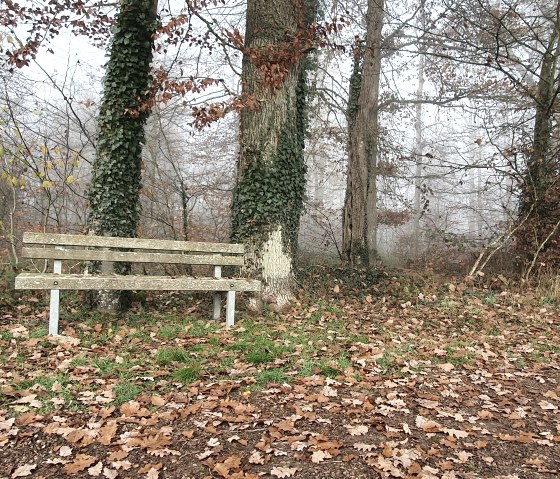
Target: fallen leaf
96 470
363 447
24 470
256 458
524 438
213 442
146 468
447 367
65 451
456 433
157 400
329 392
546 406
81 462
152 474
106 433
124 465
110 473
222 469
357 430
427 425
386 465
414 469
118 455
204 455
70 340
283 471
485 414
319 456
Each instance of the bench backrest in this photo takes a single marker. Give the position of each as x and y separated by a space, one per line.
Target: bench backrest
79 247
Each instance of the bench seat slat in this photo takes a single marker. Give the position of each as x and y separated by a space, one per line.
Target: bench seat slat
54 239
131 283
131 257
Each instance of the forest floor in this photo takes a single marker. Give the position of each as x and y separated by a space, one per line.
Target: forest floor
398 378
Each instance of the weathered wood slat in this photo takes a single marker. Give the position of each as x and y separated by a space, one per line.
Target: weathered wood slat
132 257
59 247
132 283
130 243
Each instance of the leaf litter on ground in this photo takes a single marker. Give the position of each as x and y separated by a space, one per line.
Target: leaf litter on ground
447 383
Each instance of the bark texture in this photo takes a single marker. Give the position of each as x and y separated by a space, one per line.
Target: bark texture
115 187
268 199
360 217
539 234
540 167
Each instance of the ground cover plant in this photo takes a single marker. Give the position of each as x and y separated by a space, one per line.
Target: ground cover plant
364 377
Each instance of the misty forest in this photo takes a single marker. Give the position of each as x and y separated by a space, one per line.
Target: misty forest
378 180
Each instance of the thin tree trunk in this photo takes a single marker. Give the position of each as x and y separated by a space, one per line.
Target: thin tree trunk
418 147
360 217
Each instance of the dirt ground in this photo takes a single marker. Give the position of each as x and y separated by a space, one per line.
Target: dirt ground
451 381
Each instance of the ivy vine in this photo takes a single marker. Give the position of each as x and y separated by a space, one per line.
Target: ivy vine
355 88
116 182
271 190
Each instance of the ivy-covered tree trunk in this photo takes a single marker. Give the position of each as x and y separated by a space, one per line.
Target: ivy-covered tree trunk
360 218
116 182
268 199
539 167
539 233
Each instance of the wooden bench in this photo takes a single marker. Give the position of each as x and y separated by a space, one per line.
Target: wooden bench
62 247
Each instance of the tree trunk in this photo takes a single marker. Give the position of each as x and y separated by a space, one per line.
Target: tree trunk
418 147
540 196
268 199
115 186
360 217
540 166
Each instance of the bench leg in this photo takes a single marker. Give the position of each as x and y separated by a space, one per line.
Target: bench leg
217 294
55 303
230 309
217 305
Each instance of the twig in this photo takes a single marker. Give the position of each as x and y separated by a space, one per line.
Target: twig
539 249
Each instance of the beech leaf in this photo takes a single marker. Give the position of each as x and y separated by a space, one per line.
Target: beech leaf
283 471
24 470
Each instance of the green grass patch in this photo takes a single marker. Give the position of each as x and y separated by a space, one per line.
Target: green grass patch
125 391
323 367
139 334
200 329
169 331
261 350
167 356
187 374
226 364
489 299
78 361
104 365
59 387
546 347
388 362
5 336
39 332
276 375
